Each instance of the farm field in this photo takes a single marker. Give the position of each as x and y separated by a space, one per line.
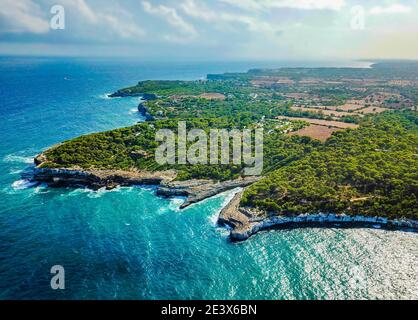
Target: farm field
332 113
372 110
212 96
348 107
314 131
327 123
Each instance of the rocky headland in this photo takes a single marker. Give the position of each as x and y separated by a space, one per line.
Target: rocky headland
143 110
245 222
128 93
193 190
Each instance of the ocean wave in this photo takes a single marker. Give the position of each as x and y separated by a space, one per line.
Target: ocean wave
175 203
94 194
42 188
105 96
18 159
23 184
213 218
15 171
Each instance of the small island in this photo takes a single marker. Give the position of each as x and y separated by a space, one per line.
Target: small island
340 146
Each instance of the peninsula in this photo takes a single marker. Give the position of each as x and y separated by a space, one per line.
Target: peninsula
340 146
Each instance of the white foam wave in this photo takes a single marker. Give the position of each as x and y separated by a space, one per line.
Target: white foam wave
42 188
15 171
213 219
23 184
94 194
105 96
175 204
18 159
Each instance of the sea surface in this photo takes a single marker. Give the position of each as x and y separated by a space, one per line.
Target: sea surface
129 244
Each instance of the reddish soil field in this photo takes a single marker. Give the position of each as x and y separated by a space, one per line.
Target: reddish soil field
212 96
314 131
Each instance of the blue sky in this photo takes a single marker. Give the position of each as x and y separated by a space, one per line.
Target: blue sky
214 29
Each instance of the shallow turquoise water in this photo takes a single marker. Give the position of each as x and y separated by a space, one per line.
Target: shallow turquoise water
130 244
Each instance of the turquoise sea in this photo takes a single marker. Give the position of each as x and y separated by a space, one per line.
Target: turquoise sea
129 244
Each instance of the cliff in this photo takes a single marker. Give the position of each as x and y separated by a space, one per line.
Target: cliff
128 93
194 190
245 222
143 110
198 190
97 179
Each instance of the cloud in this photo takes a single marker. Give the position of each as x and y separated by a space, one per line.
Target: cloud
207 14
392 9
295 4
116 20
174 19
22 16
204 29
82 7
122 28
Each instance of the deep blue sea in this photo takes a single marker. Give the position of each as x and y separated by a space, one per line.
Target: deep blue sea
129 244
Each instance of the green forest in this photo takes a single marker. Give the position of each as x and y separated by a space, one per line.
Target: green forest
370 171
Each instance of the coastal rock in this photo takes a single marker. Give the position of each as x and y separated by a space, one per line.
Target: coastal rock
149 96
143 110
97 179
194 190
39 159
129 93
245 222
198 190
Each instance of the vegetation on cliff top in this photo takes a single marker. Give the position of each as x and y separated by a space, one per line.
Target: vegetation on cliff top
134 148
369 171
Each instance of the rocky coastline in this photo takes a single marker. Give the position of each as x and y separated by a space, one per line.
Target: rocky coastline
97 179
245 222
143 110
242 222
193 190
127 93
198 190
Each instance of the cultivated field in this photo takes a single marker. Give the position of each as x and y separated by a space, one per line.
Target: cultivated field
212 96
314 131
349 107
332 124
332 113
370 110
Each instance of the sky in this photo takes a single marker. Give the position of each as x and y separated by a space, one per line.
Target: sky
211 29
